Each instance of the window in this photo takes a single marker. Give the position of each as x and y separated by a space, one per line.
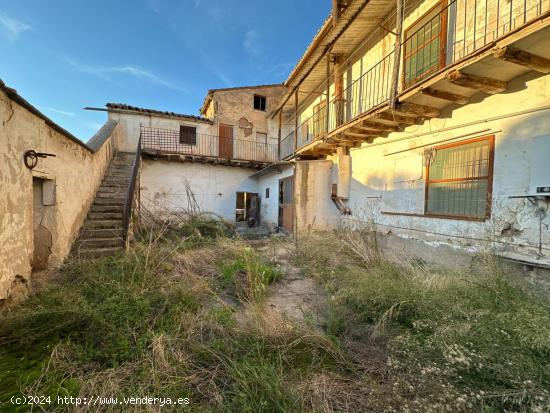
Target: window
424 51
261 137
459 179
260 102
267 192
188 135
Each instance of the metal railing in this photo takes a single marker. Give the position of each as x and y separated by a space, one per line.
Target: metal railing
287 145
446 35
171 141
129 199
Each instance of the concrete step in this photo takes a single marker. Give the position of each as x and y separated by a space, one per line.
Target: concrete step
97 252
87 233
106 208
115 183
109 201
103 223
112 189
105 215
111 194
88 243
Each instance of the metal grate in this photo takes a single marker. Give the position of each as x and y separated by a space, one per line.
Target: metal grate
459 179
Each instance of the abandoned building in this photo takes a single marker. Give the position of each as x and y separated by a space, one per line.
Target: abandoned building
429 120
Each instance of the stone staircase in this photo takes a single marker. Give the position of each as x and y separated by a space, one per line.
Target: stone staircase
101 234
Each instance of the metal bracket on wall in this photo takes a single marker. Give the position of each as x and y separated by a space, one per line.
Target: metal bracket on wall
31 158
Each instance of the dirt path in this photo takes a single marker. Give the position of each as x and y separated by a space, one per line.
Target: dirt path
293 296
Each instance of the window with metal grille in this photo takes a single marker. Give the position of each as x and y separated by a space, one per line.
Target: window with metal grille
424 51
188 135
459 179
260 102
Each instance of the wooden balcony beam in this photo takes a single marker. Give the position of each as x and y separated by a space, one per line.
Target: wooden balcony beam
414 110
441 94
523 58
370 126
395 118
484 84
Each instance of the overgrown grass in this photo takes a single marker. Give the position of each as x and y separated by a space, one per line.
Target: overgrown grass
456 340
151 323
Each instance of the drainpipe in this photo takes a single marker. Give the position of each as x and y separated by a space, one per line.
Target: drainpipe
340 198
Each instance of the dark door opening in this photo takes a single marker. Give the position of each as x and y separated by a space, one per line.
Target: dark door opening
42 236
286 204
248 208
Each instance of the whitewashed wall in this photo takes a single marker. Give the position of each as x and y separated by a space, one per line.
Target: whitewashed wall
385 182
270 206
163 186
130 124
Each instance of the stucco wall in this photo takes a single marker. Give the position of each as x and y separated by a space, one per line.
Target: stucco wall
130 124
382 181
77 172
233 104
270 206
314 208
163 186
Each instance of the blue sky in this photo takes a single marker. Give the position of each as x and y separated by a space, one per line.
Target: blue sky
164 54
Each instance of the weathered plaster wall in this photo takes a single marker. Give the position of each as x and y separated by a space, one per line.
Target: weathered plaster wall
234 104
312 196
77 172
163 186
382 181
130 124
270 206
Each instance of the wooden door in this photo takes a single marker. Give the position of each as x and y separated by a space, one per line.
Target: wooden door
286 204
225 144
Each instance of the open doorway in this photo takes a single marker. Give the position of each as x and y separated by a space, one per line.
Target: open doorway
286 203
248 208
43 198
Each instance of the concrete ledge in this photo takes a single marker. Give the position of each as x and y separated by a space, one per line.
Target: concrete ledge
96 142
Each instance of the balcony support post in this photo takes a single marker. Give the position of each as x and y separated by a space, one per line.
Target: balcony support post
327 102
338 90
279 135
397 54
296 120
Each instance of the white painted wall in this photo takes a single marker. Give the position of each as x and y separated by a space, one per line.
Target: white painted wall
130 124
270 206
163 186
385 182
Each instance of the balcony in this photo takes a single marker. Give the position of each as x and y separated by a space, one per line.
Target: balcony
172 144
450 54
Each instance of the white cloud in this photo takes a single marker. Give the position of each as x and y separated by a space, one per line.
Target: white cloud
251 43
106 73
58 111
13 27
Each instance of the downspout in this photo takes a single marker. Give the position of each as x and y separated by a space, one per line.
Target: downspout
341 196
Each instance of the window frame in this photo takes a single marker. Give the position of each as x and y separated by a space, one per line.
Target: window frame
182 135
443 11
489 178
264 101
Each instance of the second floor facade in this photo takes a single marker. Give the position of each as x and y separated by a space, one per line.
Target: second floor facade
368 72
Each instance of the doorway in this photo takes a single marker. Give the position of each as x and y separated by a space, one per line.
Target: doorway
248 208
225 141
286 203
42 198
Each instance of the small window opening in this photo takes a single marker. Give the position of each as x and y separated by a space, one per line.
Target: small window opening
260 102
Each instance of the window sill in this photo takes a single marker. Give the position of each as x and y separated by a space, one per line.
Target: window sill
453 217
